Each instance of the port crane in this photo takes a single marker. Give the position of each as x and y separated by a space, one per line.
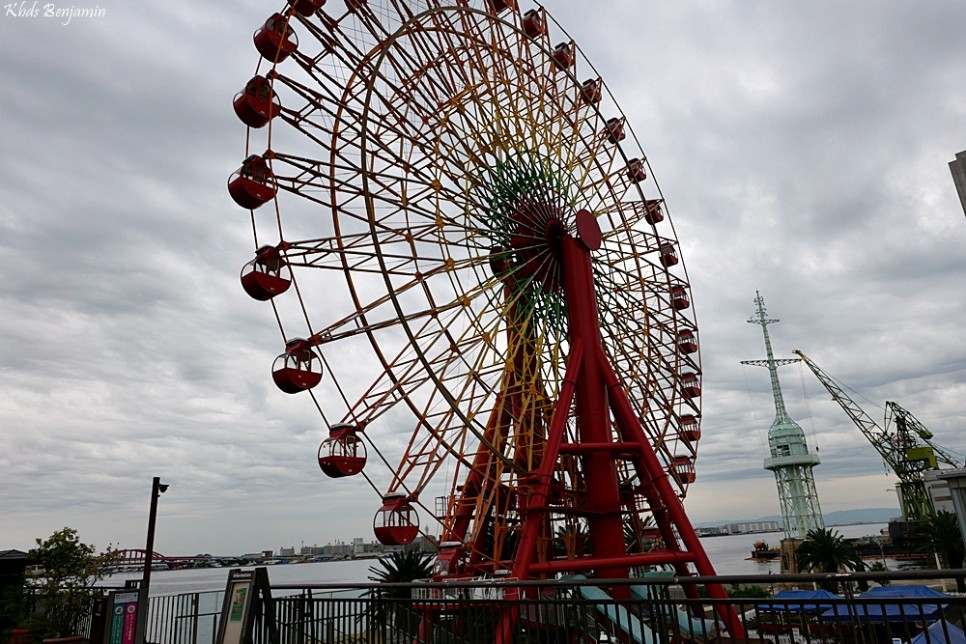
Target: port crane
904 444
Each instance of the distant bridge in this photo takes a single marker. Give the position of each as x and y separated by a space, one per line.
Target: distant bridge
135 558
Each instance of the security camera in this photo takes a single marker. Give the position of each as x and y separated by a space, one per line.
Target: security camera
162 487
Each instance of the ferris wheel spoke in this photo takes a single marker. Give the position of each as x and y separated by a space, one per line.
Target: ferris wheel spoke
451 435
357 252
451 87
427 456
359 322
648 210
402 375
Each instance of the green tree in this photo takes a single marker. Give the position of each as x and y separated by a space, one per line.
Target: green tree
827 551
64 589
879 566
751 590
939 533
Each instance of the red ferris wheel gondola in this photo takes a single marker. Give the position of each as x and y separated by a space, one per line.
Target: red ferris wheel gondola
307 7
689 428
669 254
396 523
653 213
563 55
690 385
614 130
636 171
253 184
299 368
257 104
534 24
687 342
343 453
275 40
267 275
682 467
679 298
591 91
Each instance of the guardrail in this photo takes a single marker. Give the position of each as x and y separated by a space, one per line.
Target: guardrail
649 610
188 618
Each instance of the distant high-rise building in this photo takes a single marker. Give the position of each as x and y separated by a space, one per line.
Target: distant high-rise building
958 167
790 459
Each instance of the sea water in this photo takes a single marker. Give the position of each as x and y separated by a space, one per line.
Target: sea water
730 555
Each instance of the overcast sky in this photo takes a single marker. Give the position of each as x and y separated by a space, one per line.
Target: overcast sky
802 148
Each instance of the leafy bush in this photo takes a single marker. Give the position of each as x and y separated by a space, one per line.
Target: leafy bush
63 590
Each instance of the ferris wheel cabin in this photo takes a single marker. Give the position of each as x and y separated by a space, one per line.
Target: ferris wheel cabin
533 24
590 91
636 172
396 522
690 386
682 467
563 55
669 254
687 343
499 6
679 298
343 453
298 369
253 184
688 428
275 40
257 104
307 7
614 130
267 275
653 214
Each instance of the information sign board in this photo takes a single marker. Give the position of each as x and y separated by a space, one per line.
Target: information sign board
248 602
124 617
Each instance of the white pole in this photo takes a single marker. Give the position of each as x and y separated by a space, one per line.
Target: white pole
942 580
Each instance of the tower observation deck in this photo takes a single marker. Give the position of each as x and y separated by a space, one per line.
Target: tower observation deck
790 459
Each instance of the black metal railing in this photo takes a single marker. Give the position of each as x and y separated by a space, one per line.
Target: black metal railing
189 618
649 610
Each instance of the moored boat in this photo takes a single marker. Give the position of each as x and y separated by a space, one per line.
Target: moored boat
762 551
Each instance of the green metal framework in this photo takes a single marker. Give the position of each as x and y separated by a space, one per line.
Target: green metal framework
790 459
904 445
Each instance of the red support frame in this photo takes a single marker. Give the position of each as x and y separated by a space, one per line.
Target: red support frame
608 430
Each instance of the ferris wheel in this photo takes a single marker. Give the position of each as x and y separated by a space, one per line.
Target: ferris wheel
477 283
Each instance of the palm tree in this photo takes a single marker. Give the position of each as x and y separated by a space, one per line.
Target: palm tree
940 533
634 530
401 567
390 605
825 551
571 540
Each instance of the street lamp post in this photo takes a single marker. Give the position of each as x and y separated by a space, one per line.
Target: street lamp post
157 489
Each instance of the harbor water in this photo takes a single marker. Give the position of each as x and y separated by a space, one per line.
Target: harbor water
729 554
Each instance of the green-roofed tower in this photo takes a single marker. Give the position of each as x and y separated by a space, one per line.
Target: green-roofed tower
790 459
